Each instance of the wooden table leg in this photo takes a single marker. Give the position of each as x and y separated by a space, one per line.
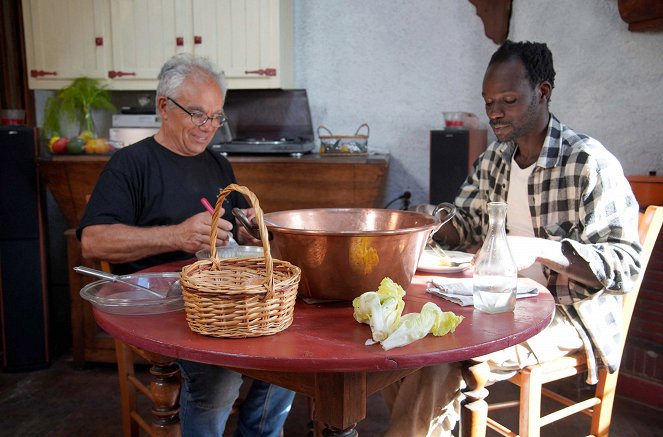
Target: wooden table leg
339 398
474 409
340 402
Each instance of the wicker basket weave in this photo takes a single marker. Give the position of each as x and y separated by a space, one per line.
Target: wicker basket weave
239 297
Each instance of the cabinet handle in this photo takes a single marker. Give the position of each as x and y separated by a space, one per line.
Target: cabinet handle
262 72
42 73
113 74
197 39
179 41
99 41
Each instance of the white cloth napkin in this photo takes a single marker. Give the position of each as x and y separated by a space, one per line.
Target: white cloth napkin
459 290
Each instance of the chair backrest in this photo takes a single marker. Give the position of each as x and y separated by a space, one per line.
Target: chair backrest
649 225
104 266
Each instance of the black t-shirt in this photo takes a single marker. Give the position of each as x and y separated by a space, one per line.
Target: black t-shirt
146 184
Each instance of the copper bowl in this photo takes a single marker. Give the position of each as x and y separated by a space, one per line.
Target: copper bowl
345 252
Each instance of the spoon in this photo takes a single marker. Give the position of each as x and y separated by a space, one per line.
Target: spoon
174 290
438 250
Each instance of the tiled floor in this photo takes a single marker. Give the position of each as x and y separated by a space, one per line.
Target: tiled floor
61 401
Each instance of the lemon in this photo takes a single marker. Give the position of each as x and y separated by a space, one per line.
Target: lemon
86 136
53 139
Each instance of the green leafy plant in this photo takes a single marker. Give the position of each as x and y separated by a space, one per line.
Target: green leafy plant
75 103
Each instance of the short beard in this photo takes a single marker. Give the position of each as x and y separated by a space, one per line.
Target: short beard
528 123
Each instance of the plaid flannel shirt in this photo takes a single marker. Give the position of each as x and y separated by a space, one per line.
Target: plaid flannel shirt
579 197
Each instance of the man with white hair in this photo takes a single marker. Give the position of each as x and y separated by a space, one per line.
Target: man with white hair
145 210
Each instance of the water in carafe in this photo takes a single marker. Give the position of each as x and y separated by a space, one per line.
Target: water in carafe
495 271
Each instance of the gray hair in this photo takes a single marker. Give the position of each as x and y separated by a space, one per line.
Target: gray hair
179 67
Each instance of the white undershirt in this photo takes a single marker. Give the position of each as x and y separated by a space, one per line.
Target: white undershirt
518 217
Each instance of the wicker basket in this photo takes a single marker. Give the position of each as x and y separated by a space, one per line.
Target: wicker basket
239 297
331 144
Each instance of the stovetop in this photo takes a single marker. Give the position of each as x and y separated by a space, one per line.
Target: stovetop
264 147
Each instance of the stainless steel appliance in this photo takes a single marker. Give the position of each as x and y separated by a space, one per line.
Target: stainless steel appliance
130 126
129 135
266 121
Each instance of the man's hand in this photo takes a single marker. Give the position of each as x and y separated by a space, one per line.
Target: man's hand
118 243
193 233
243 236
528 250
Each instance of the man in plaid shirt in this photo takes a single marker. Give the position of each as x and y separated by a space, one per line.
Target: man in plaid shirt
572 226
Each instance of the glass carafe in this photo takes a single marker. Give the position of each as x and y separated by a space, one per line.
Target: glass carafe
495 271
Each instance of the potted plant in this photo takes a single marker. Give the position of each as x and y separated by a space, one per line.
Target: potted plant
75 104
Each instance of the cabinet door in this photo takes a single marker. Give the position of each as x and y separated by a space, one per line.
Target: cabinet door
125 42
64 40
250 40
145 33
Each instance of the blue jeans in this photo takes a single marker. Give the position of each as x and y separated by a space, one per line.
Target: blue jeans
207 396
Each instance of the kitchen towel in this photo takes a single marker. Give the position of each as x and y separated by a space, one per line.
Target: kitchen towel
459 290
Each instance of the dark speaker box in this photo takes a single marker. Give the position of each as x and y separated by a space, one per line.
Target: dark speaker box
23 301
452 155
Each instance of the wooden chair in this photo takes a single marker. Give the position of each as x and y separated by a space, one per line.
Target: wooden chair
163 390
599 407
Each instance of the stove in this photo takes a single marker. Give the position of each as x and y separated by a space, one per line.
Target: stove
266 121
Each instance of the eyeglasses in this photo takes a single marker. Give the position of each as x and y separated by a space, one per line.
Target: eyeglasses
199 118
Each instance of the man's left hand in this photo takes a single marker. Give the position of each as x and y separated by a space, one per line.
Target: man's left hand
243 236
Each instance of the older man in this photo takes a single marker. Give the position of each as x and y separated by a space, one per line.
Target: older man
145 210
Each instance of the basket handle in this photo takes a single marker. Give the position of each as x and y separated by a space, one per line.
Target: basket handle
363 125
325 128
253 201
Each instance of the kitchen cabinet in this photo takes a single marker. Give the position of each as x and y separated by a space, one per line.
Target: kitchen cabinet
125 42
279 182
144 34
250 39
65 39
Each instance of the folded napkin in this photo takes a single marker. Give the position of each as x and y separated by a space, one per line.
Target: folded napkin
459 290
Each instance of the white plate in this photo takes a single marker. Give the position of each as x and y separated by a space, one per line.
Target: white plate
430 262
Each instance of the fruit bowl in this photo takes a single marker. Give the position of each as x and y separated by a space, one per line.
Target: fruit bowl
82 145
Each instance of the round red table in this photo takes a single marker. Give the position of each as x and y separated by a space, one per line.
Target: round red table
322 354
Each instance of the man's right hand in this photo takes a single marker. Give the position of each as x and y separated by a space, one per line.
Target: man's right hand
193 234
119 243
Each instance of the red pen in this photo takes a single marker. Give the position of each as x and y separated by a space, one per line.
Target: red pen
207 205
